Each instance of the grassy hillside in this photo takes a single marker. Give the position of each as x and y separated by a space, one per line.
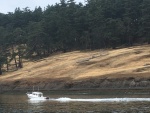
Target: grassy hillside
79 65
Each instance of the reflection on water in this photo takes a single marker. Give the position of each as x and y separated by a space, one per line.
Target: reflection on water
77 101
36 101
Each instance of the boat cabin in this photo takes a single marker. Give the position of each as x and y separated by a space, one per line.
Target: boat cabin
35 94
38 94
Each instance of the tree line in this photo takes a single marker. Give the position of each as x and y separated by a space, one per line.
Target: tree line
68 26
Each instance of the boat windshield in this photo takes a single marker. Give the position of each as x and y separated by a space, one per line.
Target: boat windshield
40 95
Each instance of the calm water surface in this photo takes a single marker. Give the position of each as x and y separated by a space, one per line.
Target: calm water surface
88 101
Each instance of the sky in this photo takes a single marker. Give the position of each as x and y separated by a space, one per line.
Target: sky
10 5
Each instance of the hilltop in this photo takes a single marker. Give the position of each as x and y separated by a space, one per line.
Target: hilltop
110 68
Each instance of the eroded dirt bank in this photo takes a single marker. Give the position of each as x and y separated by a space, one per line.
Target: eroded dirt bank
68 84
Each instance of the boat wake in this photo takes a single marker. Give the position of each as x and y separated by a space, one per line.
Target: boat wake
65 99
103 100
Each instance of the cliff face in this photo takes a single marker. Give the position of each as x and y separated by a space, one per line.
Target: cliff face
119 68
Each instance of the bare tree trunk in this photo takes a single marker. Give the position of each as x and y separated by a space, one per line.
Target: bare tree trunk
0 70
15 62
14 56
7 66
20 62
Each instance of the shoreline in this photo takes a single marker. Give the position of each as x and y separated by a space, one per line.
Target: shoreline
88 84
65 91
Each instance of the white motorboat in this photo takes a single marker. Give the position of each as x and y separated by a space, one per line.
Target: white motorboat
36 95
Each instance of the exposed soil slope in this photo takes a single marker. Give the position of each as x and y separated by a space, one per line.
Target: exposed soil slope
119 68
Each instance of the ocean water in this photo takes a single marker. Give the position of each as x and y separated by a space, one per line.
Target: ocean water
87 101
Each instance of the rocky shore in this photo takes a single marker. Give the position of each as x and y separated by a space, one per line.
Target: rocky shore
93 83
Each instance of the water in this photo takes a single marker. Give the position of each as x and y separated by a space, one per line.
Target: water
88 101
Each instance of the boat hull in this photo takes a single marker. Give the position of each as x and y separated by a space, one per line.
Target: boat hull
30 96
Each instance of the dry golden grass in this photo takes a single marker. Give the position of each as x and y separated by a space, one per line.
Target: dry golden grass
80 65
